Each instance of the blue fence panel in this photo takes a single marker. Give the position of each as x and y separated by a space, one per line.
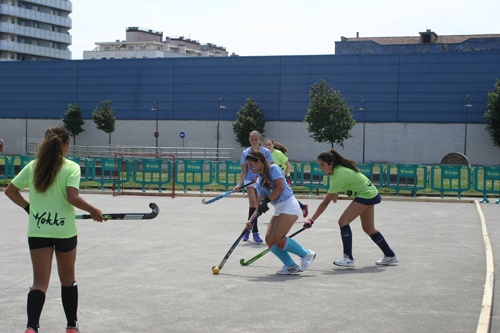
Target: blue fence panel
490 182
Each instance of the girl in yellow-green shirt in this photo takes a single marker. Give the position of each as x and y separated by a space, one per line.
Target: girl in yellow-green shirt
53 183
345 178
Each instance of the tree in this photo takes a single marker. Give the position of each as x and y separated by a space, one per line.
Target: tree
73 121
493 114
104 118
250 118
328 116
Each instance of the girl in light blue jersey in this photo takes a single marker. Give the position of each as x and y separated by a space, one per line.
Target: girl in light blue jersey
345 178
273 188
247 176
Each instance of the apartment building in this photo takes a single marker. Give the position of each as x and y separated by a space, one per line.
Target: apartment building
146 43
35 30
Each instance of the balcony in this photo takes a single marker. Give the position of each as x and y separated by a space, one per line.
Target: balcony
59 4
35 50
35 33
35 16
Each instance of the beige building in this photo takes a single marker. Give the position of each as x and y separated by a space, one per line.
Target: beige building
35 30
144 43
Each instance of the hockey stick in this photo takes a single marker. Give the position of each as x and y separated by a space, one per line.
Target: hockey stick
226 194
216 269
263 253
127 216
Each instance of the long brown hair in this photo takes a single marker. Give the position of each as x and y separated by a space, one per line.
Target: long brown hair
332 156
277 145
255 156
49 157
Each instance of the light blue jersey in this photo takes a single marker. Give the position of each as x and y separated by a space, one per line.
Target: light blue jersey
250 174
275 173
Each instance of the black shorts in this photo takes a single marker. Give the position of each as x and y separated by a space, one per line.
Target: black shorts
60 244
369 202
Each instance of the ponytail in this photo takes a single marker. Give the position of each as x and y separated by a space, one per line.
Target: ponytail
333 157
50 157
255 156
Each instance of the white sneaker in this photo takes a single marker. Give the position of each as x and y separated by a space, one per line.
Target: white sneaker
289 269
307 260
346 261
387 260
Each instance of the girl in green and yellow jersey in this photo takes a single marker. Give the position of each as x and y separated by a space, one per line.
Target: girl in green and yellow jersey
345 178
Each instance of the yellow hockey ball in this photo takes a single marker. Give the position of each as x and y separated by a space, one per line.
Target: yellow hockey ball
215 270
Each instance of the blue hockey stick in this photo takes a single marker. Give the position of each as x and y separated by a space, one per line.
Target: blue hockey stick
203 201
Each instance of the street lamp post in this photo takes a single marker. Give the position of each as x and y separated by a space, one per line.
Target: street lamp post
221 106
362 108
467 106
155 108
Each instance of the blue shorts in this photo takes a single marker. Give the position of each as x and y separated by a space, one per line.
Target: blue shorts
369 202
60 244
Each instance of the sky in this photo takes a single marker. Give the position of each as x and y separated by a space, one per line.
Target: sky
276 27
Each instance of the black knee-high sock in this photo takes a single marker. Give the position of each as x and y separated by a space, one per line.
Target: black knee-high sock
346 234
250 212
36 299
69 296
380 241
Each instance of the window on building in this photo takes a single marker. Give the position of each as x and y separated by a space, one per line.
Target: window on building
130 47
107 48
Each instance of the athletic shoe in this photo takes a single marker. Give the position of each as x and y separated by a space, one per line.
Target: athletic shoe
257 238
305 211
346 261
30 330
307 260
71 329
387 260
289 269
246 236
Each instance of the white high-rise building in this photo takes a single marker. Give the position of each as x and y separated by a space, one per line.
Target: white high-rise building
35 29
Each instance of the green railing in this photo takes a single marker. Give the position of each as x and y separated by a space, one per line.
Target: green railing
201 173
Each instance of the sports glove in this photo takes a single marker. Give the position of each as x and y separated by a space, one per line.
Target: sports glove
27 209
263 205
308 223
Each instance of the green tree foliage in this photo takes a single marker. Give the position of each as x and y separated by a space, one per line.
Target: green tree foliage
493 114
328 116
73 121
250 118
104 118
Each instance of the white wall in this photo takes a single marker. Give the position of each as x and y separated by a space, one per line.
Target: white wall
384 142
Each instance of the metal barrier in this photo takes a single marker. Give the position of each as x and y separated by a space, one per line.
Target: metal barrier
307 178
406 178
151 172
103 172
191 171
179 152
4 167
17 163
233 170
368 169
450 178
85 168
490 181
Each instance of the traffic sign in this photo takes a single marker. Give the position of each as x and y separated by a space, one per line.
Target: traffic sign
157 134
182 135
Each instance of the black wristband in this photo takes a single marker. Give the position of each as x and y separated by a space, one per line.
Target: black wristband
267 200
27 209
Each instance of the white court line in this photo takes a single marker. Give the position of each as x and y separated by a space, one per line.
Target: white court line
484 323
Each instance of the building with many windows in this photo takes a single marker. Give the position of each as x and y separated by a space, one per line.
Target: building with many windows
144 43
35 29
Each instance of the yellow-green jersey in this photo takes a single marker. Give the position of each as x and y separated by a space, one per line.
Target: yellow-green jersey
51 214
351 183
280 159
